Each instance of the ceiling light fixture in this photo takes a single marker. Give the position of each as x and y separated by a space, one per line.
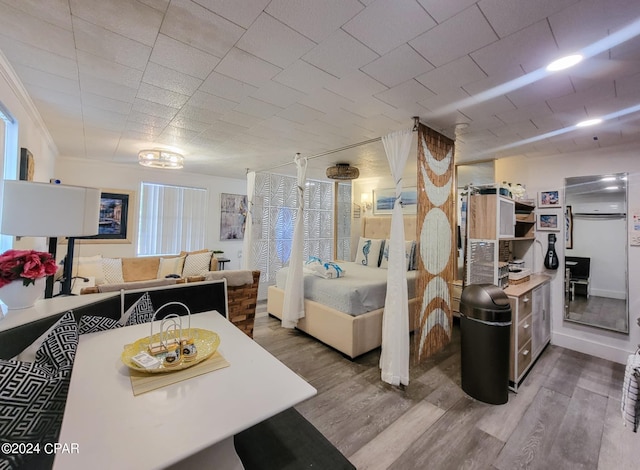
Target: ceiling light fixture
564 62
342 171
589 122
156 158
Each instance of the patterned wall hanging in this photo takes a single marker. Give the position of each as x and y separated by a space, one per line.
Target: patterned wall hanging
436 231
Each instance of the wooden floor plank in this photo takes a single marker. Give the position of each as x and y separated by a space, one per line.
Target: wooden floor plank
620 449
566 373
386 447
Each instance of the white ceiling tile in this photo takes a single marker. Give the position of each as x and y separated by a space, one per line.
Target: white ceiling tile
182 57
441 11
581 99
274 42
102 119
130 19
386 24
340 54
98 101
110 46
181 134
487 108
93 66
547 88
532 47
226 87
154 109
277 94
627 51
257 108
170 79
211 103
246 67
160 5
397 66
191 124
588 21
300 114
52 11
143 128
161 96
325 101
242 12
539 109
46 80
455 74
36 32
466 32
368 107
24 54
315 20
356 86
508 17
148 119
628 85
405 94
238 119
435 102
192 24
305 77
109 89
197 113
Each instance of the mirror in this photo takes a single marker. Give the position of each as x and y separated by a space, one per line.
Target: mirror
596 288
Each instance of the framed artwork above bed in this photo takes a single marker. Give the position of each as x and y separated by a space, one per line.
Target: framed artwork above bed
383 200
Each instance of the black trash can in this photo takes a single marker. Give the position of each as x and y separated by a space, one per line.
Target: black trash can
485 332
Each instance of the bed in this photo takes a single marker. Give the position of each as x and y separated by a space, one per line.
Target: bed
352 333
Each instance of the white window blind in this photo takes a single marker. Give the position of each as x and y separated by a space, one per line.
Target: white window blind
172 218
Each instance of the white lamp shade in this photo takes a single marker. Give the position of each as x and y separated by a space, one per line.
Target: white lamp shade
49 210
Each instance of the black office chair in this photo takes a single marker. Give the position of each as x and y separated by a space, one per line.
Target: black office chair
580 269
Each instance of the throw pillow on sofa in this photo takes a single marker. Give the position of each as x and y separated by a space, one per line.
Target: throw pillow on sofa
170 266
197 264
112 268
33 394
89 266
140 312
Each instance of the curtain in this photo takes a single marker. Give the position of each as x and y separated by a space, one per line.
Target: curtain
293 308
247 242
394 359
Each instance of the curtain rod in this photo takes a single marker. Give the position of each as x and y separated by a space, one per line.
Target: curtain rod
416 121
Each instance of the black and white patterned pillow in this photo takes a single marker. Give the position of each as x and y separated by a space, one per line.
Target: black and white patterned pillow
140 312
93 324
33 394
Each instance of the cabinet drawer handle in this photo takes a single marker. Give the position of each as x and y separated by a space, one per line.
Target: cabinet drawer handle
525 299
526 325
525 352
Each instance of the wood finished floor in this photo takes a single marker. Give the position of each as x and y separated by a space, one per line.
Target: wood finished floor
566 414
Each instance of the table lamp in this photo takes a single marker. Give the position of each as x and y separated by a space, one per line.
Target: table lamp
50 210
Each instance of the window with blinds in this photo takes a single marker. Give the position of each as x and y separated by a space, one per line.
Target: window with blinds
172 218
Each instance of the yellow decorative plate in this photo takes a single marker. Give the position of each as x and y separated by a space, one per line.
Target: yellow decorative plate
206 342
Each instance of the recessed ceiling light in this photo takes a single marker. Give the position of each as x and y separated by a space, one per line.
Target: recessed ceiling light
564 62
589 122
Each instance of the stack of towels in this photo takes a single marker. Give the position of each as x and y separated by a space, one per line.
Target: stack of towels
328 270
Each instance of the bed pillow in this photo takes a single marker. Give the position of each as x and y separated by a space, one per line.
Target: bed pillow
140 312
196 264
369 250
112 269
33 394
408 254
94 323
171 266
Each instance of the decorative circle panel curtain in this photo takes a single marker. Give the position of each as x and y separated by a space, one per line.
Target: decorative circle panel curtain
436 223
394 358
293 307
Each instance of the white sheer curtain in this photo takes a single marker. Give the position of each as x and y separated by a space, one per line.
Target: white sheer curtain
247 242
293 307
394 358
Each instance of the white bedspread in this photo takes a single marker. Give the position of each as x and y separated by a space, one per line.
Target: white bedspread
361 290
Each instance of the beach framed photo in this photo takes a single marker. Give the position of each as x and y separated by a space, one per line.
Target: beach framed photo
549 199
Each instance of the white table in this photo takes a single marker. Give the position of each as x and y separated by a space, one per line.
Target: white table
114 429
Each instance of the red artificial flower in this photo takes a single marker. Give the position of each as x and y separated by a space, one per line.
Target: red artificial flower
25 265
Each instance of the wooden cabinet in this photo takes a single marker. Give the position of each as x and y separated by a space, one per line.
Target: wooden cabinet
530 327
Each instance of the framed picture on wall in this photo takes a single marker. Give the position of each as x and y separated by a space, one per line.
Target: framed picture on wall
549 221
549 199
383 200
27 165
233 215
115 213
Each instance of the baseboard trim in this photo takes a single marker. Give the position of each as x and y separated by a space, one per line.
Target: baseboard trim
592 348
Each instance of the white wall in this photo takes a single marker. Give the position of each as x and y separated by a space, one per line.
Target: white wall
549 173
32 134
93 173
